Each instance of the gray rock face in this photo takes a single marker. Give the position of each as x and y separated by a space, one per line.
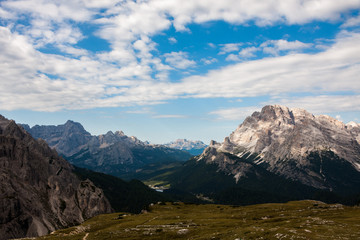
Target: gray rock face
297 145
67 139
38 191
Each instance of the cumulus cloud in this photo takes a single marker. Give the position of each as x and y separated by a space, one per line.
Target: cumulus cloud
208 61
172 40
244 54
179 60
229 47
274 47
352 22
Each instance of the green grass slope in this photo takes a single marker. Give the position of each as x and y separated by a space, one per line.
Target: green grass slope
293 220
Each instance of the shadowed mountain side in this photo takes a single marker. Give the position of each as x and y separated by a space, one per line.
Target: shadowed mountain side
39 192
132 196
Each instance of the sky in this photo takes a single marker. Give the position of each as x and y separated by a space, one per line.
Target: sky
162 70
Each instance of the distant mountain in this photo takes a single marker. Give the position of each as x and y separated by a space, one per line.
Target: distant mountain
39 192
67 139
193 147
111 153
278 153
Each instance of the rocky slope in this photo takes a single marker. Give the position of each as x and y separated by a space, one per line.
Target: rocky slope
112 153
318 151
38 192
193 147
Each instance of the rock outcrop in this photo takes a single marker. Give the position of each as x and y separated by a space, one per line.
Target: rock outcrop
318 151
39 192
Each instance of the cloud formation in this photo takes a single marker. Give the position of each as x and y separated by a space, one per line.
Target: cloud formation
132 72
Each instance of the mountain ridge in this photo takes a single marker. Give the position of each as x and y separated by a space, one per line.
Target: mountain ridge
111 153
195 147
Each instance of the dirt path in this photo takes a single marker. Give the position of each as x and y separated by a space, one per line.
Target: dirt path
86 235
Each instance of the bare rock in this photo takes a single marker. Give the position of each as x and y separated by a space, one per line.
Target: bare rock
38 192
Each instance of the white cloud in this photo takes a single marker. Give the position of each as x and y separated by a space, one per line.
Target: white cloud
229 47
29 78
244 54
179 60
172 40
208 61
248 52
233 57
352 22
50 10
275 46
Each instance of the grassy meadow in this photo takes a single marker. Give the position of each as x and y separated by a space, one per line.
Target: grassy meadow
293 220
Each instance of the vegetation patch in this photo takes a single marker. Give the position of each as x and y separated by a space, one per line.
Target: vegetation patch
292 220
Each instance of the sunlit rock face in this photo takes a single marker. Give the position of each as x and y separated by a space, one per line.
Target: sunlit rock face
319 151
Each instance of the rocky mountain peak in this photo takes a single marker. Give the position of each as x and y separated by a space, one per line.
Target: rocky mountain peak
353 124
120 133
67 138
74 126
282 137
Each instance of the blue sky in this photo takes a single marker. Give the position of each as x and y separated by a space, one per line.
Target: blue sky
167 69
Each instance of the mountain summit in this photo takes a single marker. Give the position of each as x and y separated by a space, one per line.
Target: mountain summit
318 151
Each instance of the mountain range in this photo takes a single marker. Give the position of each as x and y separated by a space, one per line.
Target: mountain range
274 148
276 155
193 147
112 153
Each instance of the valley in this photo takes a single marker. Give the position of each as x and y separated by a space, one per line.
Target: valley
293 220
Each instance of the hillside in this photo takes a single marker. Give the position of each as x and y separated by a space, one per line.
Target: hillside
293 220
124 196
